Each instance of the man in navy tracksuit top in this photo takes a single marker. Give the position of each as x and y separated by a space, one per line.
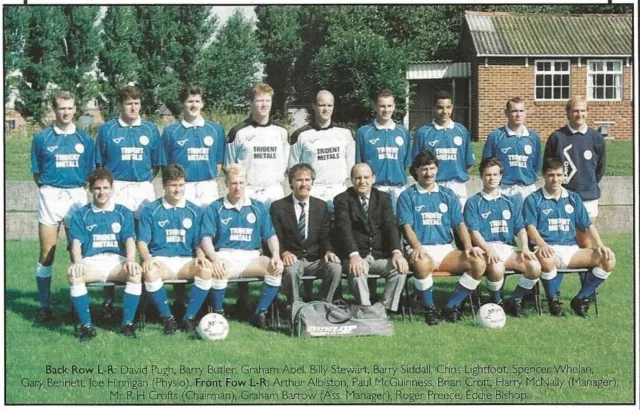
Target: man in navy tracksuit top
582 150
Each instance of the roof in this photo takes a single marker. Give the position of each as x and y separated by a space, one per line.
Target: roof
545 34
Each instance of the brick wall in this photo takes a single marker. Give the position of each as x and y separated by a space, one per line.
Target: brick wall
503 78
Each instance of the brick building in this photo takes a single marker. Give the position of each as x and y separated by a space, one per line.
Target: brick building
545 59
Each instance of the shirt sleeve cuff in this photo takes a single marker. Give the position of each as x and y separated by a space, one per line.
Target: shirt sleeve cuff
396 251
354 254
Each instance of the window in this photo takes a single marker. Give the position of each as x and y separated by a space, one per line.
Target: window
552 79
9 124
604 79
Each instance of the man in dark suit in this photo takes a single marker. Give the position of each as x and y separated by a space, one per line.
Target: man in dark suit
303 227
369 238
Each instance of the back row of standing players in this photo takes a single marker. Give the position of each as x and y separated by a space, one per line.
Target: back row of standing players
133 151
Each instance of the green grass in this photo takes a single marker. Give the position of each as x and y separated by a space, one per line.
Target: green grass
605 344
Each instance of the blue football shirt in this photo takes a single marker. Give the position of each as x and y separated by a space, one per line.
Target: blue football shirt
497 219
386 150
520 156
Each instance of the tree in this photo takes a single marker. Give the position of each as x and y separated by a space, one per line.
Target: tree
279 33
230 65
15 32
118 62
42 66
81 50
355 67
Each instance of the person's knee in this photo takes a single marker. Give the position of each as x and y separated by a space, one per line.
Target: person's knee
495 271
204 273
478 266
532 269
608 265
547 264
423 268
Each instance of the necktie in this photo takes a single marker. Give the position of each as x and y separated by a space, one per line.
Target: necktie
365 203
302 222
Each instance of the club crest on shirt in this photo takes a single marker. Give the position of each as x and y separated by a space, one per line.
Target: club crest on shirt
433 143
118 140
79 148
187 223
144 140
399 141
182 142
443 207
588 155
374 141
505 150
208 140
51 149
116 227
547 211
486 214
569 208
163 223
251 218
225 221
506 214
419 208
457 140
90 227
527 149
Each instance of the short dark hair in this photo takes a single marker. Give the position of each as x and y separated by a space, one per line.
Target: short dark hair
514 100
490 162
188 90
550 164
128 92
98 175
385 93
171 172
300 167
62 95
423 158
441 95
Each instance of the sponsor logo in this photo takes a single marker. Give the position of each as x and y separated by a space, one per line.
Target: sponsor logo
116 227
569 167
118 140
486 214
90 227
419 208
432 143
331 330
51 149
505 150
163 223
250 137
547 211
313 141
374 141
182 142
225 221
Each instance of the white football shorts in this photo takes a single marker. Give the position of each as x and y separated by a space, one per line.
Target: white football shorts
56 205
235 261
266 195
133 195
173 263
103 264
201 193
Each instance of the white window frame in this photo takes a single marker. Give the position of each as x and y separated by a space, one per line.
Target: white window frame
552 73
619 75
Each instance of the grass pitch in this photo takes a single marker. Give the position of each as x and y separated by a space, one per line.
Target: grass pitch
532 360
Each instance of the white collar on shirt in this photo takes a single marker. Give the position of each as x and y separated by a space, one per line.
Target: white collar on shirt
109 207
450 125
198 122
181 204
421 190
563 194
239 205
390 125
582 130
489 197
136 123
521 132
296 201
72 130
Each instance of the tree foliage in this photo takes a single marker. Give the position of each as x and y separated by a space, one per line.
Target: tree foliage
14 38
230 65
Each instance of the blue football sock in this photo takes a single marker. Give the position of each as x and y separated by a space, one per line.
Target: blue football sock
217 299
495 295
589 286
557 281
519 292
130 306
427 297
159 298
460 293
550 287
81 307
44 289
269 293
195 302
109 293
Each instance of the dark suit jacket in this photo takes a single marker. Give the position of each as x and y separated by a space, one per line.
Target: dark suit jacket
374 233
319 230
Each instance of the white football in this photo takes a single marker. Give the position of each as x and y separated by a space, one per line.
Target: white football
213 327
491 316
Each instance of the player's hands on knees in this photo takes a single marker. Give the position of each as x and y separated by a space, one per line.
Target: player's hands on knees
493 258
276 265
331 257
605 252
417 255
545 251
356 265
217 269
204 263
132 268
476 252
148 265
289 258
76 270
527 255
400 263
